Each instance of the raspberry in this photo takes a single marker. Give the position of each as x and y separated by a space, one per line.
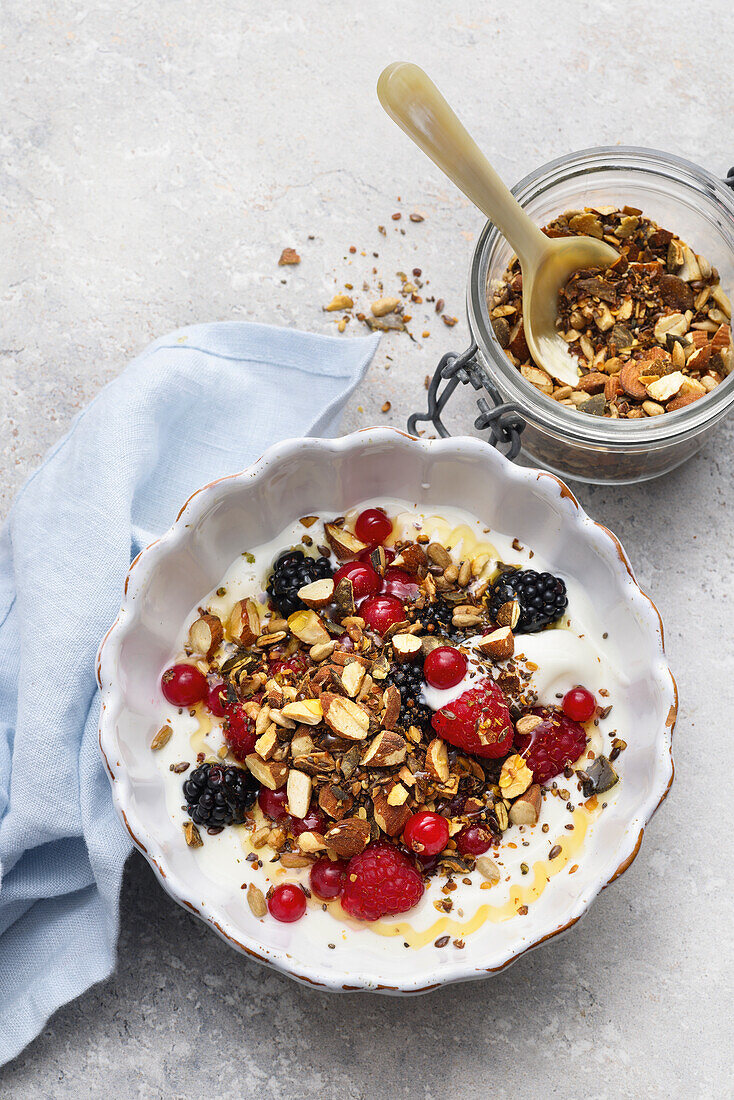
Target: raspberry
380 882
553 744
477 722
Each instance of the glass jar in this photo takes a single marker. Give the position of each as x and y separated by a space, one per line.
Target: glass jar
680 197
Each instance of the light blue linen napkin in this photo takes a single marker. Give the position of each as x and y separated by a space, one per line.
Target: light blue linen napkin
198 404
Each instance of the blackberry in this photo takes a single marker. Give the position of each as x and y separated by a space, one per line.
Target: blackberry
542 598
291 570
408 679
218 795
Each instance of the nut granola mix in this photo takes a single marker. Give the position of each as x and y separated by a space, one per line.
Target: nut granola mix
652 333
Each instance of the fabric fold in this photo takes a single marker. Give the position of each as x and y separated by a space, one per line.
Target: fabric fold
194 406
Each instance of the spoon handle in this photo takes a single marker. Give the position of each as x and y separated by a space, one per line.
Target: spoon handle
413 101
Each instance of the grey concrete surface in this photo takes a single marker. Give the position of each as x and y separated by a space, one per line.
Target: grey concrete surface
155 159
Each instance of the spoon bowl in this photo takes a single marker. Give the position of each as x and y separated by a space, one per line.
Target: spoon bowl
414 102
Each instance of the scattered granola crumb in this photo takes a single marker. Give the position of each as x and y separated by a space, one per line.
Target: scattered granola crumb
288 256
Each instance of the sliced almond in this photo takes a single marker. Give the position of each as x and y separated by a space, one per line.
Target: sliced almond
629 379
406 647
509 614
348 837
515 777
302 745
298 790
412 558
397 795
392 700
295 859
352 677
271 773
321 651
525 810
306 711
344 544
317 594
666 387
259 837
538 378
281 719
206 634
437 759
390 818
344 717
308 628
263 720
499 645
311 842
527 723
386 751
672 324
266 745
244 622
335 802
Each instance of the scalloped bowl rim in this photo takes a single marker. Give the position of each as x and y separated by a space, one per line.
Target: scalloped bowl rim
113 703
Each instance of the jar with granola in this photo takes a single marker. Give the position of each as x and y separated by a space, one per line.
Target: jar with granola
652 335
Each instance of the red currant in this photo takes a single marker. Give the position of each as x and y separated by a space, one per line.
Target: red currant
216 698
444 667
380 612
327 878
365 581
313 822
183 685
286 670
401 584
474 840
274 804
373 526
287 903
426 833
579 704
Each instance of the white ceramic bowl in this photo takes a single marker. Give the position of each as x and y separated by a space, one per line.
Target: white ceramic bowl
307 475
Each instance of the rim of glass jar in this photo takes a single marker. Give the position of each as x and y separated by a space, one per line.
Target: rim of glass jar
534 405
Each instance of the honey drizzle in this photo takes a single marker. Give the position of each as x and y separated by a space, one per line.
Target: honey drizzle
543 871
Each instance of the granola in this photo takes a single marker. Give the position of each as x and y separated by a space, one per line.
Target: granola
369 713
652 333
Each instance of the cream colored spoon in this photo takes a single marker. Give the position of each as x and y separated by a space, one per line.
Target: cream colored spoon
415 103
